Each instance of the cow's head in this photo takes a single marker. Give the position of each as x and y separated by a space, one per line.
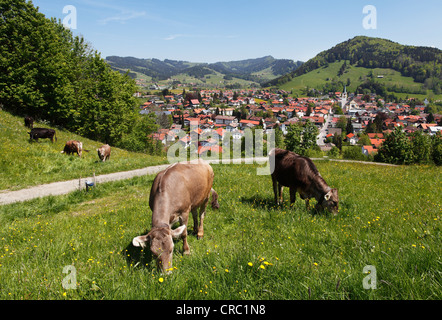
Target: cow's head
161 244
100 153
331 201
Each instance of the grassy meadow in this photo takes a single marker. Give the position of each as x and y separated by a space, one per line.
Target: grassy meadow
357 75
390 218
24 163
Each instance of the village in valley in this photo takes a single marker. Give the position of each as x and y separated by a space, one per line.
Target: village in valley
341 118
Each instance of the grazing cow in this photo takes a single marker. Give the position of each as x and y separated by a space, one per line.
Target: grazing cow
104 152
301 175
181 188
42 133
73 146
29 122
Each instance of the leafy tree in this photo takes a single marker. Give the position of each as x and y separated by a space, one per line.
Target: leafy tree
48 73
396 148
301 137
421 147
436 146
293 138
279 137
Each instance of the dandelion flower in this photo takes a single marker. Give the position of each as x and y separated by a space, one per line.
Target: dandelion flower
250 264
262 267
160 280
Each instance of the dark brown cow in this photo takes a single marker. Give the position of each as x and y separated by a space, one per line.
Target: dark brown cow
181 188
301 175
42 133
104 152
29 122
73 146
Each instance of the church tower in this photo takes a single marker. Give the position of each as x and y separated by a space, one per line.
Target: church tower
344 98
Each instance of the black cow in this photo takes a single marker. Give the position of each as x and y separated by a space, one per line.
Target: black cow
42 133
29 122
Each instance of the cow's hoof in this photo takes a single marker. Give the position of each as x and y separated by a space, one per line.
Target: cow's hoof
200 236
186 253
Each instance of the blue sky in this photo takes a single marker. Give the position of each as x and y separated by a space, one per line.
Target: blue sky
214 30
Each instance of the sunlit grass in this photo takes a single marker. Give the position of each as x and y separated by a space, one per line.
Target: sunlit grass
24 163
389 218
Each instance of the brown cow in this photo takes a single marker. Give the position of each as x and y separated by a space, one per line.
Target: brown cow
73 146
181 188
104 152
301 175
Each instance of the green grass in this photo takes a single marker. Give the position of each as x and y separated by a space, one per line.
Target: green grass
357 75
24 163
389 218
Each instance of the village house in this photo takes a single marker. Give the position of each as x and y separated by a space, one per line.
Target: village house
224 120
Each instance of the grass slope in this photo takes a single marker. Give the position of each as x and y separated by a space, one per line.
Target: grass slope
24 163
389 218
357 75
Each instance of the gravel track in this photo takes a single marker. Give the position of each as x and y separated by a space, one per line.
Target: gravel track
65 187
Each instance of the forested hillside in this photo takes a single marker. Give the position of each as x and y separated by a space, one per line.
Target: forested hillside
48 73
423 64
242 69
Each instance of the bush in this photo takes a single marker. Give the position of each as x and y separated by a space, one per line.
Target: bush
353 153
396 149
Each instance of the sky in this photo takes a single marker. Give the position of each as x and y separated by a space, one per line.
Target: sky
226 30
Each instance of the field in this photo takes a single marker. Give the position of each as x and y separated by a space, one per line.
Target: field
24 163
390 218
357 75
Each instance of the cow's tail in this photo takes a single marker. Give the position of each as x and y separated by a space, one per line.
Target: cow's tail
215 204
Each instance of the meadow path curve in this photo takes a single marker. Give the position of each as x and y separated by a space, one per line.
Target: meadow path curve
65 187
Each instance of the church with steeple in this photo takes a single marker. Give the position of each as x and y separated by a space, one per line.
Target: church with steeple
344 98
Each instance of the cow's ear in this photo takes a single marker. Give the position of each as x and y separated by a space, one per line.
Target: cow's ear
177 233
140 241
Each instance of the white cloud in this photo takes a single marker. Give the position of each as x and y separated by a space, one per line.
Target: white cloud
174 36
122 17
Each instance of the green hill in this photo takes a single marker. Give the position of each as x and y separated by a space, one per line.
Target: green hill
24 163
251 70
402 69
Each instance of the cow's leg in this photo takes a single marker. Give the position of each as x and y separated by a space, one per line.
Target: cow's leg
195 220
202 216
183 221
292 196
275 189
281 190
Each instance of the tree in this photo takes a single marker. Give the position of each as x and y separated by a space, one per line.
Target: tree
396 148
301 137
279 137
47 72
421 147
436 149
342 123
293 138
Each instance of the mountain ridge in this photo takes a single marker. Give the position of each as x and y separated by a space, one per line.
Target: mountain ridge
246 69
422 64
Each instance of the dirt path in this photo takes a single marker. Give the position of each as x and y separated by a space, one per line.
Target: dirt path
64 187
